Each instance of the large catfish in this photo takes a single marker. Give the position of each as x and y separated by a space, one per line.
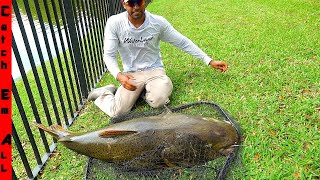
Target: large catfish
168 140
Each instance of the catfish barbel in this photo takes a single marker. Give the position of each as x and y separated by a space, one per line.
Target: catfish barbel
173 139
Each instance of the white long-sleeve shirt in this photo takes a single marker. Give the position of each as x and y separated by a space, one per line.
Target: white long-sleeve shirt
139 48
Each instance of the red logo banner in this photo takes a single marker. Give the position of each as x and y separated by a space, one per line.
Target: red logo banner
5 89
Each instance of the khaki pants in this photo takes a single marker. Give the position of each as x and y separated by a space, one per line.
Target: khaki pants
158 88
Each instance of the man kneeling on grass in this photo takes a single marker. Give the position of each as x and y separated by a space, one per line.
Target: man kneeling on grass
136 34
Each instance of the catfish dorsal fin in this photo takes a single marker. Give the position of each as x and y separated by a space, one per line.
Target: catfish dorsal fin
115 133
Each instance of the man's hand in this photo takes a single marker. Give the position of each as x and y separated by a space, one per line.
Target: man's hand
124 80
221 65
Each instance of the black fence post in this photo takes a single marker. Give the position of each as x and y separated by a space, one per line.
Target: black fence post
76 47
112 8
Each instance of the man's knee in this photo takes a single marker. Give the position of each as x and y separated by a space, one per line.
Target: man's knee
113 114
112 108
157 102
118 111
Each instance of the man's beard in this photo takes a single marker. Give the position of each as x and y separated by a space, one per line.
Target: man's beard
137 15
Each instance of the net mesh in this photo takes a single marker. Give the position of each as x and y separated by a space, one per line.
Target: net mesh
189 153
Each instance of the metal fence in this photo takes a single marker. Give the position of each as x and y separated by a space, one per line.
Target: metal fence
57 46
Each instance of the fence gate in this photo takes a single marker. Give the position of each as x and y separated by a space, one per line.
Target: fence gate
57 59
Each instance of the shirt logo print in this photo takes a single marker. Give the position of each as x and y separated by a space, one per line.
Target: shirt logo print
137 42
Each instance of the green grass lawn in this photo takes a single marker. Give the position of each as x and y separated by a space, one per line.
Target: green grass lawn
272 86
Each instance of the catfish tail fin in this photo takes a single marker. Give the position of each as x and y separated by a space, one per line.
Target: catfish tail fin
54 130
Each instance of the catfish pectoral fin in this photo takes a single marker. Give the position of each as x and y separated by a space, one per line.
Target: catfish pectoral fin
55 130
114 133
